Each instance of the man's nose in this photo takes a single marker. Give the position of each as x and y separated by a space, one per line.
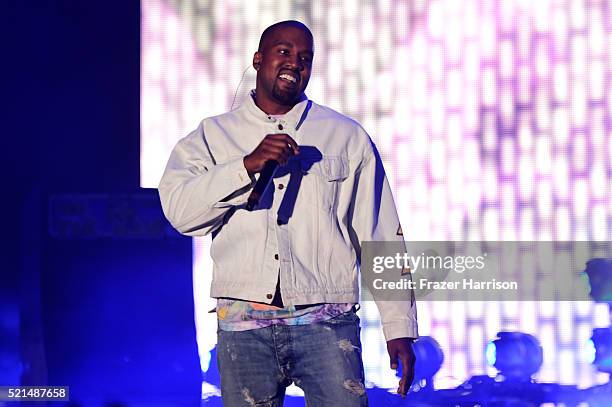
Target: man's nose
296 63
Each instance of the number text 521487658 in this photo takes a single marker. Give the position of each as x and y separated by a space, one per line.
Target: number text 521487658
31 393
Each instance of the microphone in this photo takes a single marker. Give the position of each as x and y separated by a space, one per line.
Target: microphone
265 176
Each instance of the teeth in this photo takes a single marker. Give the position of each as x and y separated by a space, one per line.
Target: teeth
287 77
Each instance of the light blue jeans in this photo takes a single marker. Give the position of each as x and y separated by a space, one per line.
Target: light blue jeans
323 359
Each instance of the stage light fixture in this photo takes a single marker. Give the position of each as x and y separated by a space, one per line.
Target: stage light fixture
429 358
601 340
599 271
516 355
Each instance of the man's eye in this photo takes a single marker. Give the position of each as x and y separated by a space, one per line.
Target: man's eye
284 51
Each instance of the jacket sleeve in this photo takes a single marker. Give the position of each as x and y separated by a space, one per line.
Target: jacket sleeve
196 192
374 218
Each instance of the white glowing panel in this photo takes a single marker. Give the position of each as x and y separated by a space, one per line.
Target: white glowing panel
492 119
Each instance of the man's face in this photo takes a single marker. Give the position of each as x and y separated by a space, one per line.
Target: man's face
283 68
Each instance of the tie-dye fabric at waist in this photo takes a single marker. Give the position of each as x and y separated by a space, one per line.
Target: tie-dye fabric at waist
237 315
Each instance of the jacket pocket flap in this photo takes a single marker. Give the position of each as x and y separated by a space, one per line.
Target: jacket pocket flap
328 168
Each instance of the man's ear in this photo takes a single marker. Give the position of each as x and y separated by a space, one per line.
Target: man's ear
257 60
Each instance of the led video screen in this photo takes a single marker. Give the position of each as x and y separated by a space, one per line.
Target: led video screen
492 119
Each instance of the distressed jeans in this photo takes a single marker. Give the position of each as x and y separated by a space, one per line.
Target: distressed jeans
322 358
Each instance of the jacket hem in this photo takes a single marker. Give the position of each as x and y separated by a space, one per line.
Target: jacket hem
252 292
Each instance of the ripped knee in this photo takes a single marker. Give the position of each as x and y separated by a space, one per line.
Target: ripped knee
270 402
354 386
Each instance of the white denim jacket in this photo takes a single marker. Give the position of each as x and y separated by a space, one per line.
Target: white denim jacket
310 222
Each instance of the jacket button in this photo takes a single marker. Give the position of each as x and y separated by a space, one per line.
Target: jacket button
281 186
276 257
280 126
269 296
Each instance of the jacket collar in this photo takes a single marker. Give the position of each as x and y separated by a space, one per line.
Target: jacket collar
293 117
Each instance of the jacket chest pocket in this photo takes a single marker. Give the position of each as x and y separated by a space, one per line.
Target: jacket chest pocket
323 179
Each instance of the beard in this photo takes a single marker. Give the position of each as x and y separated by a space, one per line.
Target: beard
285 96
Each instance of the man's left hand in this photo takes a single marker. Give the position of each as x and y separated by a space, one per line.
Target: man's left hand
401 349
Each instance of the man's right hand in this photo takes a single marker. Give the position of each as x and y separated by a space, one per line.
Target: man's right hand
277 147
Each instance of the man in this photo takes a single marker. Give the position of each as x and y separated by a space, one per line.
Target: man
286 273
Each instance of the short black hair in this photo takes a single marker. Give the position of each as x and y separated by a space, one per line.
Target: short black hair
292 23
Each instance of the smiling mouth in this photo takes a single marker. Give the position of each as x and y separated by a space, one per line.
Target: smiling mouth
288 78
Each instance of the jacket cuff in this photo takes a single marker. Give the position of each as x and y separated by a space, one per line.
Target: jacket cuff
237 179
237 173
406 328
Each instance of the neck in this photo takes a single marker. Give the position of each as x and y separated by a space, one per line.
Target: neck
269 107
272 107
